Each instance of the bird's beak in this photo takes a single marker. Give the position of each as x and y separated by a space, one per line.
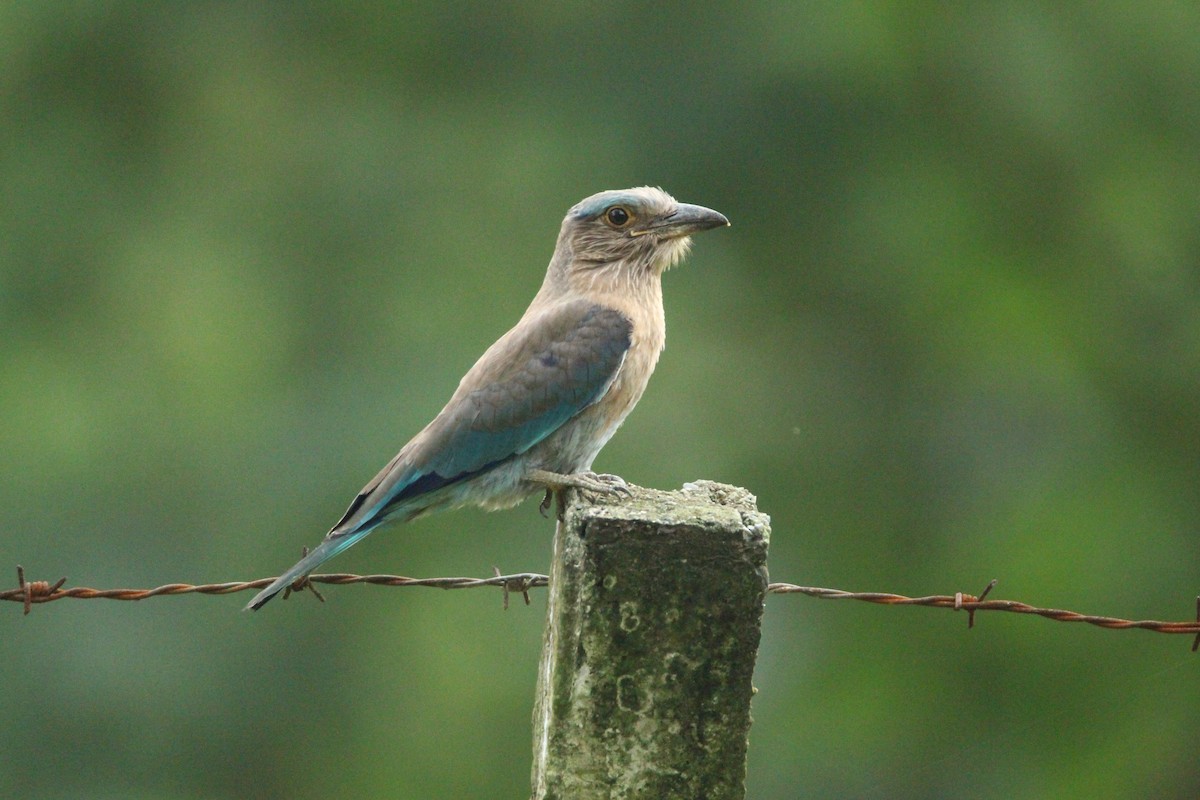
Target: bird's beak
684 220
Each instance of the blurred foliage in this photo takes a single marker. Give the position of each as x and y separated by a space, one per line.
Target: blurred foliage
246 250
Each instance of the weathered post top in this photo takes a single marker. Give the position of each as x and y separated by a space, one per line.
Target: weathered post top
652 630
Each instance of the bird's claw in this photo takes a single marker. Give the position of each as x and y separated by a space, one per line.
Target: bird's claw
613 484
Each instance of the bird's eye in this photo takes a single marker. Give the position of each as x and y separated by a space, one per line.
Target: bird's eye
617 216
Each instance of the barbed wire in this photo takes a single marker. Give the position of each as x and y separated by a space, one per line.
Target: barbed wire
33 592
961 601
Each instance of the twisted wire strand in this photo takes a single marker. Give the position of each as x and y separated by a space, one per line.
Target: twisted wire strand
33 592
970 603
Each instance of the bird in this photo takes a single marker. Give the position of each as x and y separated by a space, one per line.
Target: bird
534 411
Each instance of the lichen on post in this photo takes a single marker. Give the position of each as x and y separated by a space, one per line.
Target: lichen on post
652 630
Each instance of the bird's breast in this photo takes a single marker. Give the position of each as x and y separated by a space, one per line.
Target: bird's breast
576 444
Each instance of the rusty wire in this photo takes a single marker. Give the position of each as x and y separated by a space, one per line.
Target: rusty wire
961 601
31 592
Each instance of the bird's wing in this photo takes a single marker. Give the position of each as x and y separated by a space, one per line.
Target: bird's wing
544 371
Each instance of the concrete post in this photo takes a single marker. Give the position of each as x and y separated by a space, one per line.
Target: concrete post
655 604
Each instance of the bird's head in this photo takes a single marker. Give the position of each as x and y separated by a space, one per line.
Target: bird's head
643 230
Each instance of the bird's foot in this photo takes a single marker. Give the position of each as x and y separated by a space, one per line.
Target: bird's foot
596 483
589 482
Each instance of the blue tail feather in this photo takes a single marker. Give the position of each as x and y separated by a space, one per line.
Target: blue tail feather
322 553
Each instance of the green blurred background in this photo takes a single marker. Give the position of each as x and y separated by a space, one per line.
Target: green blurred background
247 250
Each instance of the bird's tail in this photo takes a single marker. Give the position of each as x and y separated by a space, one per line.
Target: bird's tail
323 552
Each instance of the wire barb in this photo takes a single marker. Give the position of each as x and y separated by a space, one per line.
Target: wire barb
961 599
515 583
38 589
303 582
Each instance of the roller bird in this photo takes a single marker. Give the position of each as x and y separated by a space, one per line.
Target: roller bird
536 408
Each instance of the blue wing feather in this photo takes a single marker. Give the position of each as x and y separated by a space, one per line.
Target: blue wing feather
546 375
